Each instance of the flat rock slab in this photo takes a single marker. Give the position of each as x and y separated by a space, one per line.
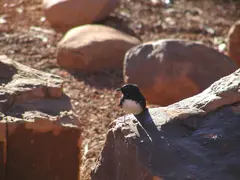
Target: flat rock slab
39 133
196 138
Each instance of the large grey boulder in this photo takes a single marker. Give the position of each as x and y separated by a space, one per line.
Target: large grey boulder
196 138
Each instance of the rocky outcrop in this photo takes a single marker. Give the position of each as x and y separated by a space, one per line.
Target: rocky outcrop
196 138
93 48
66 14
167 71
40 136
234 42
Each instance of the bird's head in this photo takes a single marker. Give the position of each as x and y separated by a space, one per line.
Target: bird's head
129 90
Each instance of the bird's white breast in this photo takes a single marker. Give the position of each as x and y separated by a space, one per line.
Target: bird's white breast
131 106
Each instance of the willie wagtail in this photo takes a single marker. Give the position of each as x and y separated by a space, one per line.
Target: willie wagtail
132 100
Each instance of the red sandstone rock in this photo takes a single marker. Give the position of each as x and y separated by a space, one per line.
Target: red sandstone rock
65 14
167 71
94 48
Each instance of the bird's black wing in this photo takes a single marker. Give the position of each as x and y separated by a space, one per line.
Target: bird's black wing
142 102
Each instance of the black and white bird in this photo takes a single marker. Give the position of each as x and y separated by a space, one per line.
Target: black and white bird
132 100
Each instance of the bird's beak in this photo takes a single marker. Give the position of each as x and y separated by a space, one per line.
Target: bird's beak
118 89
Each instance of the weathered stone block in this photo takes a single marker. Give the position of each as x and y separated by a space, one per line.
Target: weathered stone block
40 136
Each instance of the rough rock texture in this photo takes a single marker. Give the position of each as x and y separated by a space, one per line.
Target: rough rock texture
40 136
65 14
93 48
170 70
234 42
196 138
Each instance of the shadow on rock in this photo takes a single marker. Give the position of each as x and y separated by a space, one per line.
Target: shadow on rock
42 105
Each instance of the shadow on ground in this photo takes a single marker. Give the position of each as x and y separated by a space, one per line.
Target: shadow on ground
108 79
